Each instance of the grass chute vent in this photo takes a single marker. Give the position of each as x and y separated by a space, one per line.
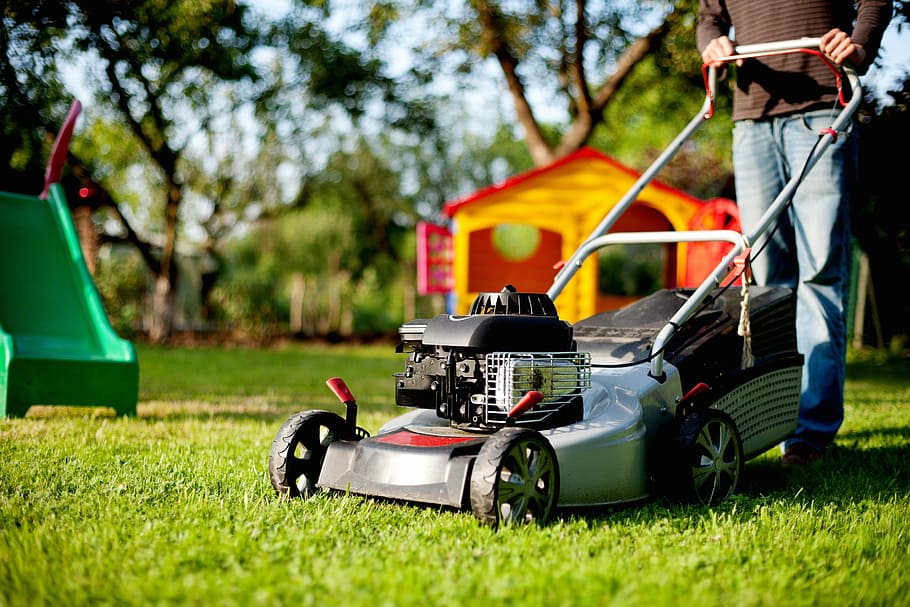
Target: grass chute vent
510 301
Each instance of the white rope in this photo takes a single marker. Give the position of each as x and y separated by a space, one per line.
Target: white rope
745 328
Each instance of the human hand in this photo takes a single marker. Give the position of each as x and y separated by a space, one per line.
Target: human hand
717 49
838 45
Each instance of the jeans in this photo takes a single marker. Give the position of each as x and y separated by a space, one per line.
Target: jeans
809 249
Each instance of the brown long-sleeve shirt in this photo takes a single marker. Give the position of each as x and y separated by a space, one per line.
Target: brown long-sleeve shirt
786 84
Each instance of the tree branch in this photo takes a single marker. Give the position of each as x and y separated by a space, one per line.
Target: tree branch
495 43
585 123
580 78
103 199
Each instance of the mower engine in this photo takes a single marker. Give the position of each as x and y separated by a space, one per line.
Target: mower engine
473 369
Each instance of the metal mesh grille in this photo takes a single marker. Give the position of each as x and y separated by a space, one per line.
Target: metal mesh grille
765 408
559 376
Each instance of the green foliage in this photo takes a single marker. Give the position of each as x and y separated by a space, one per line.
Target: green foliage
163 56
122 281
345 242
544 37
634 270
336 73
651 109
174 507
31 93
317 245
881 221
245 297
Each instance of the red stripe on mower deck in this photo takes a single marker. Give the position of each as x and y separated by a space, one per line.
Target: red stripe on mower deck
413 439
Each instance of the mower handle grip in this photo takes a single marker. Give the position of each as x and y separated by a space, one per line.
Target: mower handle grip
809 46
781 45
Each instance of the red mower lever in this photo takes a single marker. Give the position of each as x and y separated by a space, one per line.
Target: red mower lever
531 398
337 385
691 395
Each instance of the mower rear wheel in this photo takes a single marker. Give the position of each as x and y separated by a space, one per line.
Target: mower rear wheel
515 479
299 448
712 456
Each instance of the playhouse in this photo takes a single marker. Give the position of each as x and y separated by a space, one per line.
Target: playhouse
517 232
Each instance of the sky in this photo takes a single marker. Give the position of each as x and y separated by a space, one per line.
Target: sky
895 59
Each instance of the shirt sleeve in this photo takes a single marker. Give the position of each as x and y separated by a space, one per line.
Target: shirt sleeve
713 21
872 18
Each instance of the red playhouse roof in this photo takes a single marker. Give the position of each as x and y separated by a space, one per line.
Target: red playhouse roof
585 153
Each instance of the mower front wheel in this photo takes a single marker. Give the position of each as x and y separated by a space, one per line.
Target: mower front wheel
299 448
515 479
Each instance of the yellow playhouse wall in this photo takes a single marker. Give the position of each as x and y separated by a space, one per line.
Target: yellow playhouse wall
572 199
579 299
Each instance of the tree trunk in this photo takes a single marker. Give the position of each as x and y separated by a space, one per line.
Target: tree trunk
164 296
332 319
298 294
162 313
88 237
589 108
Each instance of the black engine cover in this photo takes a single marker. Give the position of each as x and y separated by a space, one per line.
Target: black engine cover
499 333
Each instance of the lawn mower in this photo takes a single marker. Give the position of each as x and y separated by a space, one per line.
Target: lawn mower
515 412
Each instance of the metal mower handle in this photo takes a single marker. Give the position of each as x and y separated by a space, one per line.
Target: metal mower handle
573 264
826 138
724 268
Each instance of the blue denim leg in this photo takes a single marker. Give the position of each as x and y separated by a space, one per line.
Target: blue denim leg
809 251
761 172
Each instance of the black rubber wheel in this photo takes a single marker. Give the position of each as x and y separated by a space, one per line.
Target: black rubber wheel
711 457
297 453
515 479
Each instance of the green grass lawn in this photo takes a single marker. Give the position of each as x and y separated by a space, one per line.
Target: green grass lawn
174 507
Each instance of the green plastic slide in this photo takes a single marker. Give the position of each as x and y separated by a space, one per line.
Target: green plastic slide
57 346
